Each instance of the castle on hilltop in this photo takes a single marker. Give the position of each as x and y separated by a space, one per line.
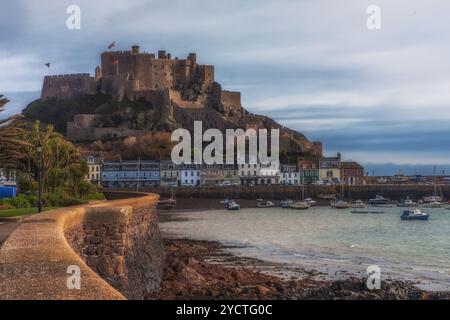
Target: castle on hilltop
176 93
161 80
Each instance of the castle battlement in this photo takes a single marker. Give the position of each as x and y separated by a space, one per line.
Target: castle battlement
69 75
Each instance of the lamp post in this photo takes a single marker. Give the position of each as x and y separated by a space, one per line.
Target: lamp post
39 150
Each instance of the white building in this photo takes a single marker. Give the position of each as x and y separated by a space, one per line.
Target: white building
248 173
269 174
94 170
190 175
289 175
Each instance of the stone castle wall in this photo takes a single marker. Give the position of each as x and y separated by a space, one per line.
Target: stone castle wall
68 86
84 128
155 73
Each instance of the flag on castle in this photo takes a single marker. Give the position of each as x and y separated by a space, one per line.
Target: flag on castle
112 45
115 61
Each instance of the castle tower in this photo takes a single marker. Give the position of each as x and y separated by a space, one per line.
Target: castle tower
98 73
135 49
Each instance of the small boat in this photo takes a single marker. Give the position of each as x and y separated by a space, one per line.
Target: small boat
357 204
168 204
301 205
340 204
265 204
433 204
407 203
233 206
378 200
285 203
414 214
310 201
226 201
432 199
326 196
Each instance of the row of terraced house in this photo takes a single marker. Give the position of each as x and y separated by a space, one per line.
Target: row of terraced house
152 173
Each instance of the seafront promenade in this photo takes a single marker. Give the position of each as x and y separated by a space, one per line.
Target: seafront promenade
112 249
278 192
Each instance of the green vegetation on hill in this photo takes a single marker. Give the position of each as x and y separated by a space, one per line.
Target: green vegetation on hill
60 111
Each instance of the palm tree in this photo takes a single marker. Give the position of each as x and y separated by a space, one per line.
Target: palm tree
11 142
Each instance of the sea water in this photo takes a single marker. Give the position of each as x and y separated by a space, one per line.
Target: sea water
337 243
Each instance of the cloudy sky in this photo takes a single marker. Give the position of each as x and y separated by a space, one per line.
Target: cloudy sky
378 96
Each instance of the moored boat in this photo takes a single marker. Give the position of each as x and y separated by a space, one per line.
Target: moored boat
414 214
432 199
323 196
167 204
378 200
300 205
310 201
226 201
433 204
286 203
357 204
265 204
407 203
233 206
340 204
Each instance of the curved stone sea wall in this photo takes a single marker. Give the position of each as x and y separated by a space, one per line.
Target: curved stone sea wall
116 245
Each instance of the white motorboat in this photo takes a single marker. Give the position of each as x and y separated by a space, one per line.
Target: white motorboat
407 203
340 204
233 206
378 200
433 204
357 204
310 201
265 204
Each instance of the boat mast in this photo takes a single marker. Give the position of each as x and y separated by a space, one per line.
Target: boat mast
303 188
434 181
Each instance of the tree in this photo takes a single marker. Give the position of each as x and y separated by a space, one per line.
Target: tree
62 167
11 144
